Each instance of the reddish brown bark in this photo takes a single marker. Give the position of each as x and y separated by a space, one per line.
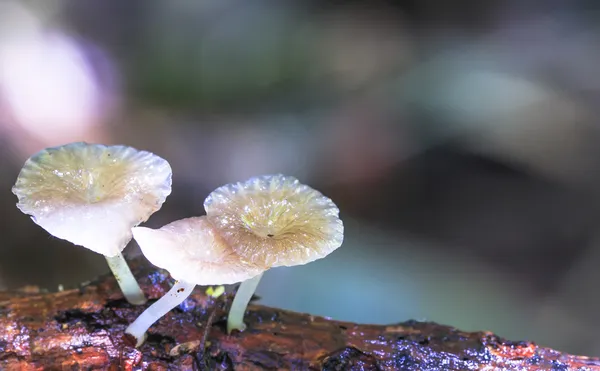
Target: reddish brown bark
83 330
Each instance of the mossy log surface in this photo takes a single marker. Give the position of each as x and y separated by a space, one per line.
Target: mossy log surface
82 329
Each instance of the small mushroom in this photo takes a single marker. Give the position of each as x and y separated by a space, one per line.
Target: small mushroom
272 221
194 254
92 195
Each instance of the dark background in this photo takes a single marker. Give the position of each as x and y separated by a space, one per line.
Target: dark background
459 139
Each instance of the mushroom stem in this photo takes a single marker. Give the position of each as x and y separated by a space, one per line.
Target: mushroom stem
178 293
235 319
126 280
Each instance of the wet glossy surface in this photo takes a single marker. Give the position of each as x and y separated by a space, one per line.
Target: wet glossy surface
83 329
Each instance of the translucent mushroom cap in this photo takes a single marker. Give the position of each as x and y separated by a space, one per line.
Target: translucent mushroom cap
193 251
273 220
92 194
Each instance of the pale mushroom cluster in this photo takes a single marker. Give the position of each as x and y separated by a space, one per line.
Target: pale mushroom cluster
95 196
249 227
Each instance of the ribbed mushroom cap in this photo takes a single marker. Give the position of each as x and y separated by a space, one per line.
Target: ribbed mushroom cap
92 194
273 220
192 251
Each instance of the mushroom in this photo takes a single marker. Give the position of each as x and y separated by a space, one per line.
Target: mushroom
194 254
272 221
92 195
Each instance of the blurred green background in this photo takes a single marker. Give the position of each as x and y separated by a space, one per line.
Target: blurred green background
460 142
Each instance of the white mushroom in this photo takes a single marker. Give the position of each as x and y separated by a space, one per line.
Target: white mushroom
194 254
272 221
92 195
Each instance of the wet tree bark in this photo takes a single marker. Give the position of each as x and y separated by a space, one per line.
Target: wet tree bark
82 329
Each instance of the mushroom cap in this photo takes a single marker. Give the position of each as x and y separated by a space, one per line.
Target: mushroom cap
193 251
92 194
273 220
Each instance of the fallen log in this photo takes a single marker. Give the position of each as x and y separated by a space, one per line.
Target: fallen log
82 329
